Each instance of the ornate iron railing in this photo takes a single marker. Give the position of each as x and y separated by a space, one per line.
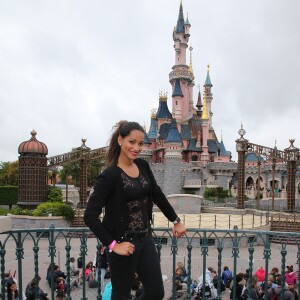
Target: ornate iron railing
27 251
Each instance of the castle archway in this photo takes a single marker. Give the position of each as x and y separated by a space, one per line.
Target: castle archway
249 183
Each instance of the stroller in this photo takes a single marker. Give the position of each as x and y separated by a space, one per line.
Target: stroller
207 292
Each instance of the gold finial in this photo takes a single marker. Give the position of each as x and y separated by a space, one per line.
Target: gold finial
163 96
204 112
153 113
145 129
208 67
222 135
191 61
275 142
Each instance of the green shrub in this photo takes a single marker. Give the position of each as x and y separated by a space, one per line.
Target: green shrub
8 195
54 194
218 192
3 212
56 209
16 211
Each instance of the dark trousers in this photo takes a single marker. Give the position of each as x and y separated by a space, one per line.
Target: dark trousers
145 263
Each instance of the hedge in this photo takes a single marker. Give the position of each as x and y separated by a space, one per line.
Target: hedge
8 195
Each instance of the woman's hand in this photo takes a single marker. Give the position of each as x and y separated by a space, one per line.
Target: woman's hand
178 230
124 248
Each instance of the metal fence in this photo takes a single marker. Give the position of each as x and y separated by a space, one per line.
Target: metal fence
29 251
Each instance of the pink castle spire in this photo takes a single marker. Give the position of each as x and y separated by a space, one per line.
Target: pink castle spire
181 77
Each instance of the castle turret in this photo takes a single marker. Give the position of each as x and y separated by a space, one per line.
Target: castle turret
208 95
181 77
205 130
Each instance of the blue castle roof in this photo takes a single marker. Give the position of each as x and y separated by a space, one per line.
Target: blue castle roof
192 146
152 134
163 111
146 139
212 146
177 89
173 135
252 157
185 132
180 21
208 81
164 130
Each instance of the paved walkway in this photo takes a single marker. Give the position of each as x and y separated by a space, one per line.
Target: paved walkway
166 261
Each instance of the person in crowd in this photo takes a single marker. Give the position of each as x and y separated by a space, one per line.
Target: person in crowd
56 273
60 287
216 281
275 273
260 273
253 289
103 265
88 269
246 275
227 276
127 189
290 276
288 295
270 283
74 270
12 291
239 286
32 289
181 273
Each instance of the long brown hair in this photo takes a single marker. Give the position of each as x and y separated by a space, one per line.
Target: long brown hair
123 129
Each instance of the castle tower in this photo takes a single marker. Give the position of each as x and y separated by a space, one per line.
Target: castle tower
172 161
208 95
181 77
205 130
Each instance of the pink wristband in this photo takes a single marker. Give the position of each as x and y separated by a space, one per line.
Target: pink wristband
111 246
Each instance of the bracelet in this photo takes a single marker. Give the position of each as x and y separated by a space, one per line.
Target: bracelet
111 246
177 220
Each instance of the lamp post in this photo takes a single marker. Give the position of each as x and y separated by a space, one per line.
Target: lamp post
273 181
258 184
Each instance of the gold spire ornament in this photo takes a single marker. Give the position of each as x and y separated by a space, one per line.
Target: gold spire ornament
204 112
191 61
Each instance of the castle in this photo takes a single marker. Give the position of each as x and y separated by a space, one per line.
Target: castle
182 143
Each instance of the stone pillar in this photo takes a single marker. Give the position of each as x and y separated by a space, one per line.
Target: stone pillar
172 175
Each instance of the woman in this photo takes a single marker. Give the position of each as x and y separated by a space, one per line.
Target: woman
32 289
253 289
127 189
239 287
181 273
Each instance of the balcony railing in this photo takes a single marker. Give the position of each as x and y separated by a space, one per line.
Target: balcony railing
30 251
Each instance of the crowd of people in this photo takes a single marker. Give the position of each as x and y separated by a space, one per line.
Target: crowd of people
245 287
56 279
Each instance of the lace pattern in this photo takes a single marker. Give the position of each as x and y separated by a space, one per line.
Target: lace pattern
136 193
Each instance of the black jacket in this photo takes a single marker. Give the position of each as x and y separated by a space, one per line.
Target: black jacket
109 193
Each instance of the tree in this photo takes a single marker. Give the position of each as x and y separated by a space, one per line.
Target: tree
54 194
9 173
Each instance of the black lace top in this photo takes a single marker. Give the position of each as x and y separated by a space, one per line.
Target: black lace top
137 192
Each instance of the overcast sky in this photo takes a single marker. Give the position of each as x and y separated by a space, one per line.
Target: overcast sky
72 69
